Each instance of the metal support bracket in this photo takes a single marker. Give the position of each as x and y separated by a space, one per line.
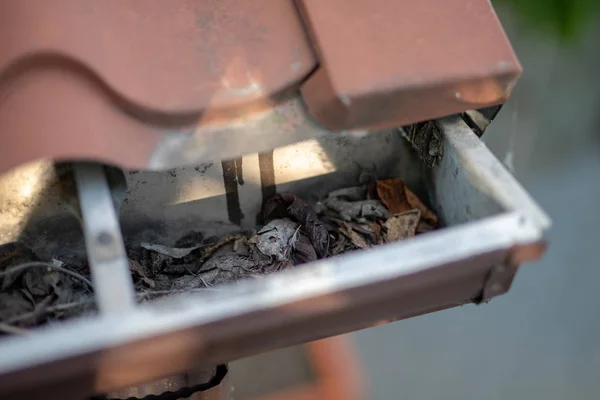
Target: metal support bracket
108 261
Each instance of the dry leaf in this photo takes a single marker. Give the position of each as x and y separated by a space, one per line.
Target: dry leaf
360 211
427 141
139 270
402 226
376 228
278 238
398 199
304 251
391 192
354 237
371 231
240 246
338 244
426 214
61 285
364 229
173 252
286 205
353 193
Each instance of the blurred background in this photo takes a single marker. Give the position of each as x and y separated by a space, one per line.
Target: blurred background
542 339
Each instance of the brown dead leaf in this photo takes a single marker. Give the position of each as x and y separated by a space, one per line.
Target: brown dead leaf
371 231
354 237
426 214
402 226
363 229
337 243
391 192
376 228
399 199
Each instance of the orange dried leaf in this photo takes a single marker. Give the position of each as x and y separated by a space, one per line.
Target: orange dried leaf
398 199
391 192
354 237
426 214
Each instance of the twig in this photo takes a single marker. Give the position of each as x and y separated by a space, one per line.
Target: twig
33 315
68 306
42 308
13 330
210 249
40 264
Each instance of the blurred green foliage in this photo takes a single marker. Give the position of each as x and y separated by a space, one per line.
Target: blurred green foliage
565 18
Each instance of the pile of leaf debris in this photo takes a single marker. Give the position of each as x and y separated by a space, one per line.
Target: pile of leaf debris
365 216
35 292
